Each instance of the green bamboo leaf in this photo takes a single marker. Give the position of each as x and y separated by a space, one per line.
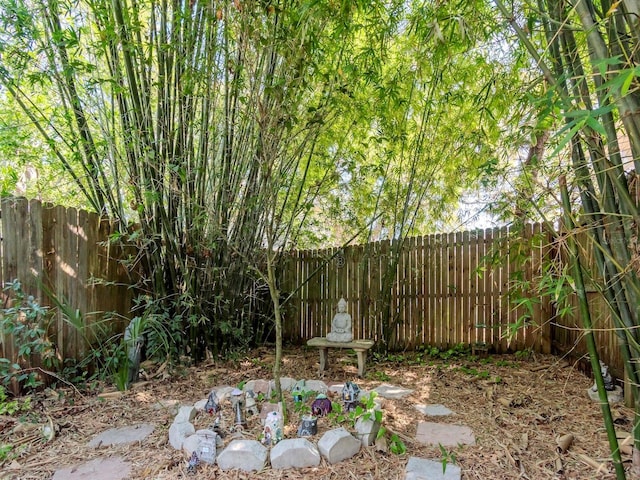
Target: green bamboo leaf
596 125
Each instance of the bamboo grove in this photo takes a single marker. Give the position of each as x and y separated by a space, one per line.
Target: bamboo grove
589 55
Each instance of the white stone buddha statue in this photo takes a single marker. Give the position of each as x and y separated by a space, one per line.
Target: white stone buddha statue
341 328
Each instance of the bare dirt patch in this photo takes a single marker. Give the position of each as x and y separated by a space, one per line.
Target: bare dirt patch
516 409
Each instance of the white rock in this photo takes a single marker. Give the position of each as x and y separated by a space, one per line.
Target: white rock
286 383
337 445
294 453
247 455
317 386
178 432
186 414
367 429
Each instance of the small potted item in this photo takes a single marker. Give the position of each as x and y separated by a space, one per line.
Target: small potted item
350 396
308 426
273 426
321 406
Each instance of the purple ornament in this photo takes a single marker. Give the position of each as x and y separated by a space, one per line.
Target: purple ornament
321 406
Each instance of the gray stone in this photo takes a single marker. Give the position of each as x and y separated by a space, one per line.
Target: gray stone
391 391
294 453
116 436
192 442
317 386
613 396
178 432
423 469
336 388
268 408
434 410
112 468
258 386
367 429
186 414
337 445
247 455
286 383
430 433
223 392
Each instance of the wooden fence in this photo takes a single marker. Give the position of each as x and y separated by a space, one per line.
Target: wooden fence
438 290
441 290
63 253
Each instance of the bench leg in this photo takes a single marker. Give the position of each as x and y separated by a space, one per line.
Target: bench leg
362 361
324 359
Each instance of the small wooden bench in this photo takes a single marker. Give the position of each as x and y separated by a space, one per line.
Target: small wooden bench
360 347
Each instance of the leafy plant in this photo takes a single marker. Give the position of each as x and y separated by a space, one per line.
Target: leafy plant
26 321
10 407
396 445
447 457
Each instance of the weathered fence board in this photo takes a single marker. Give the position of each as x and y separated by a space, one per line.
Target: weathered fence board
60 255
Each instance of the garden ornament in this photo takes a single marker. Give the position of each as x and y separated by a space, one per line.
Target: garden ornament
212 406
237 397
321 406
250 403
298 391
609 384
194 461
341 330
350 396
207 449
240 420
308 426
273 426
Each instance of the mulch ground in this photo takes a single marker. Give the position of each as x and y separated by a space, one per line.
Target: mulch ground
516 407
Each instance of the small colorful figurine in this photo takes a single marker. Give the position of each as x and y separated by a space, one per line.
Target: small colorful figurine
212 406
350 396
194 461
273 426
308 426
321 406
298 391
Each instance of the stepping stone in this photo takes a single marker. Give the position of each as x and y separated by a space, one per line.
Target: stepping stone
294 453
337 445
112 468
391 391
247 455
434 410
423 469
430 433
117 436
